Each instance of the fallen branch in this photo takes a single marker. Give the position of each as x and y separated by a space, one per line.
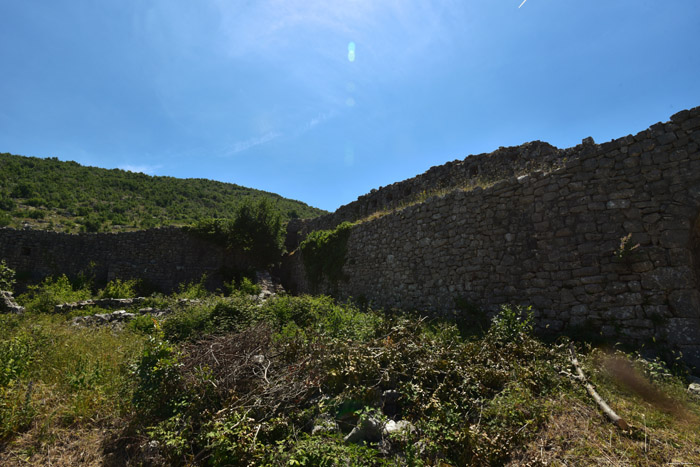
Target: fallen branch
610 413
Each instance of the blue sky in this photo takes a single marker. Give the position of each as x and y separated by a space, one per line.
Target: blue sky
267 93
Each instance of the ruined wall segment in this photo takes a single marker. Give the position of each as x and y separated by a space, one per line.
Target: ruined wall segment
164 257
552 239
475 170
471 172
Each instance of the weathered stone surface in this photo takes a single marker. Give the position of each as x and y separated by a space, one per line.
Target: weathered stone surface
8 304
553 240
694 389
167 257
373 430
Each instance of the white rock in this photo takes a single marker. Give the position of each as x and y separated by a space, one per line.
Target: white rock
694 388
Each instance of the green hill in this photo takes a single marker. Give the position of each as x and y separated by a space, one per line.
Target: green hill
49 194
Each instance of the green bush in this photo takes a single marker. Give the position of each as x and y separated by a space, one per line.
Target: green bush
34 214
7 204
234 314
143 324
157 379
321 315
256 229
5 219
193 290
16 356
243 286
188 323
118 288
91 224
326 451
324 253
512 323
7 277
51 292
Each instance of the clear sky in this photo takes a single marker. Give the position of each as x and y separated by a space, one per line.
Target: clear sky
322 101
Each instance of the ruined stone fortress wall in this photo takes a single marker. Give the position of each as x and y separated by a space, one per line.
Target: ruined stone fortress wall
550 238
476 170
164 257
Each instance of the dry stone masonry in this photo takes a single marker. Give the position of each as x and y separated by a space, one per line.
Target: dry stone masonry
165 257
604 237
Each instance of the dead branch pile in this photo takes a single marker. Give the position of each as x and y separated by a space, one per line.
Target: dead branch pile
250 372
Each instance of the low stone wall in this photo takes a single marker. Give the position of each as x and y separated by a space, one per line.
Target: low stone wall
163 257
553 240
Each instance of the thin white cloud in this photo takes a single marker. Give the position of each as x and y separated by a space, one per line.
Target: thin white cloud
145 169
319 119
241 146
387 33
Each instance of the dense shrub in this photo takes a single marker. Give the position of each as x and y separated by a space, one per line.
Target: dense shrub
255 228
188 323
156 375
118 288
7 277
193 290
51 292
324 253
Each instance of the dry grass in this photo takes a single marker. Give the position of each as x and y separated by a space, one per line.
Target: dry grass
664 429
68 446
424 195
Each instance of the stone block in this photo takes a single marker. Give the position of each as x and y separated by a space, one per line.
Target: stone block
668 278
618 204
685 303
683 331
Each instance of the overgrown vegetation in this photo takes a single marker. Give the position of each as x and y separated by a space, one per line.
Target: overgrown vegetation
233 381
7 277
41 193
254 228
324 253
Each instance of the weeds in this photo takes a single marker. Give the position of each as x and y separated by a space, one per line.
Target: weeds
7 277
51 292
232 381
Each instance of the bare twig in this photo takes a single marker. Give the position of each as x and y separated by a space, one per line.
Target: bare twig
610 413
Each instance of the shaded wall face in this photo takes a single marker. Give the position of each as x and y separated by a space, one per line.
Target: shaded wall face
555 241
695 255
164 258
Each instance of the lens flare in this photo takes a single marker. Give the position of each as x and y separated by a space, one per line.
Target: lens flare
351 51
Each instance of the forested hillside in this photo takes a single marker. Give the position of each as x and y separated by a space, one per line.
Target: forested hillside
66 196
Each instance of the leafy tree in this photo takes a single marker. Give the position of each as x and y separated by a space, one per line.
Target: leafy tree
257 229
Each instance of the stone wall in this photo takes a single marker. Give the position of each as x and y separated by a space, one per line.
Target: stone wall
164 257
476 170
550 239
